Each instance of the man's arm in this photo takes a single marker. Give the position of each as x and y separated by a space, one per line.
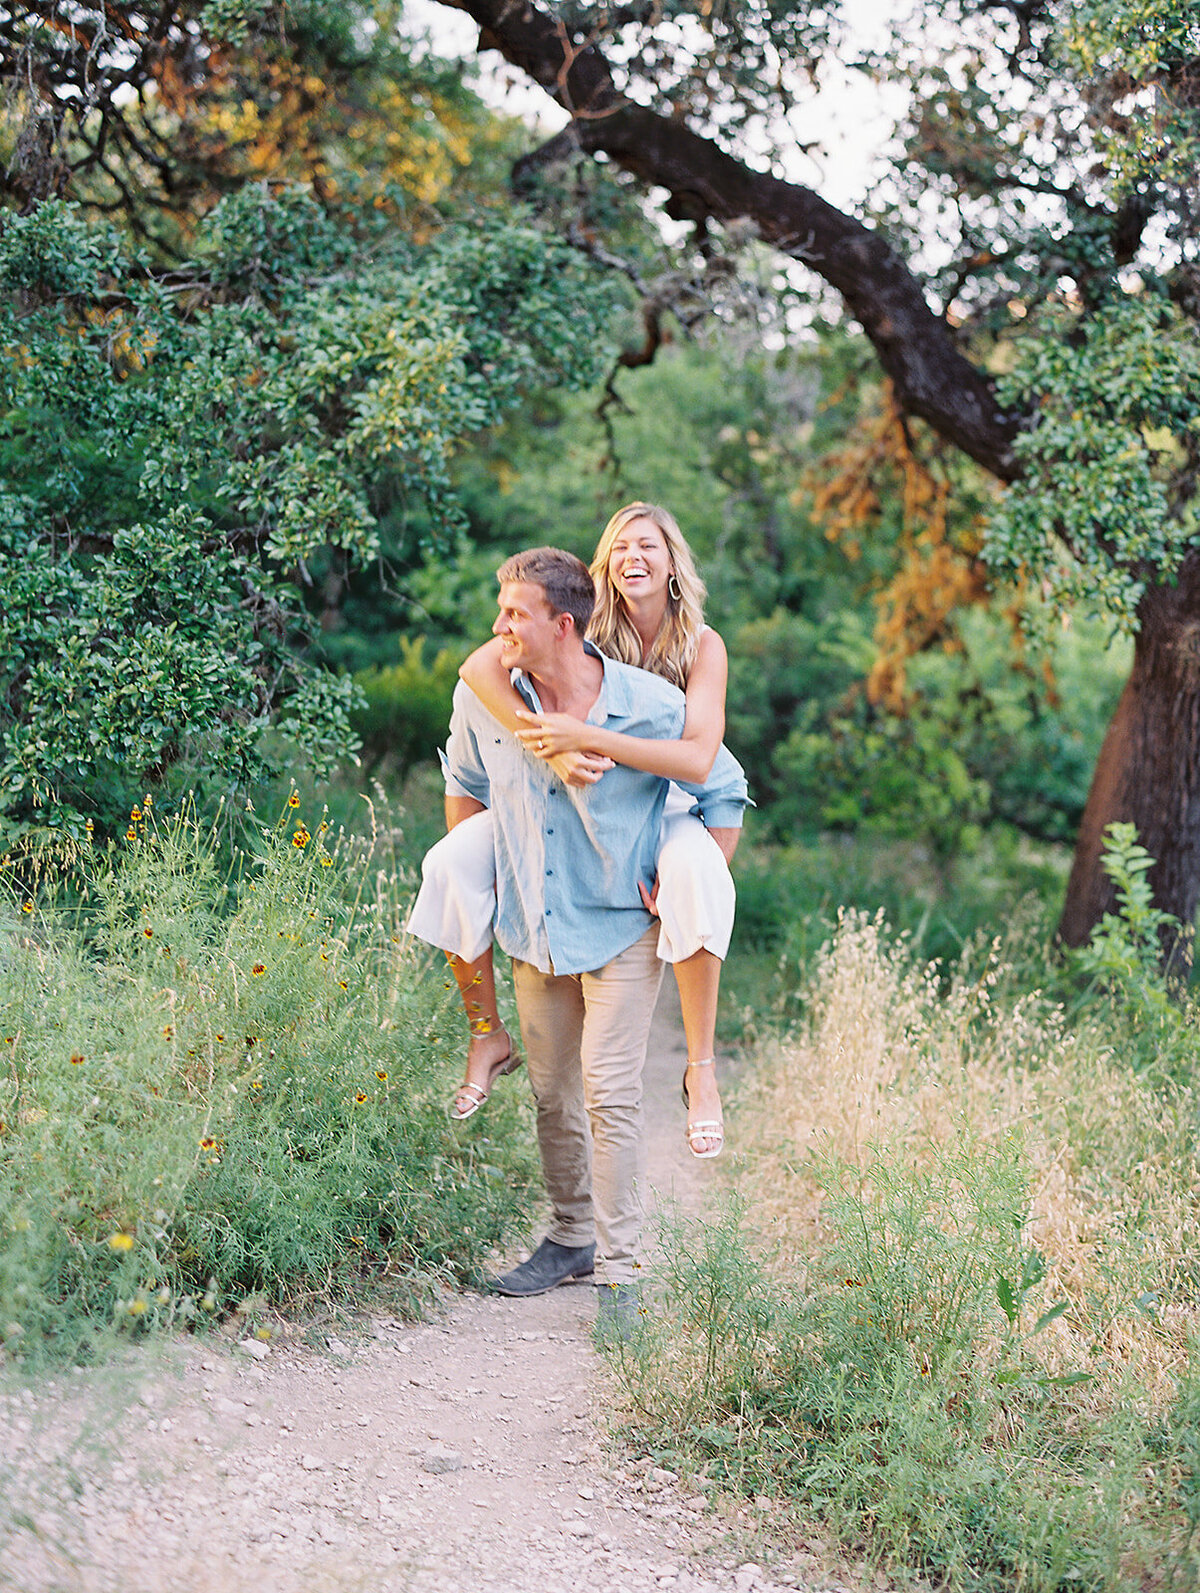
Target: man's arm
467 786
459 808
726 839
722 799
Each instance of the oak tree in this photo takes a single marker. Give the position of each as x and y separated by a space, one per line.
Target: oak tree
1051 149
204 404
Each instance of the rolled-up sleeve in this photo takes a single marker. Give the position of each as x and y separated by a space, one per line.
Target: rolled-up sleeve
724 796
461 763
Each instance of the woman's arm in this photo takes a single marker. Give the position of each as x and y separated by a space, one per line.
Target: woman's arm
489 680
690 758
575 764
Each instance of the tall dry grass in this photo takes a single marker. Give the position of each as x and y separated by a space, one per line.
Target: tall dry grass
893 1061
952 1316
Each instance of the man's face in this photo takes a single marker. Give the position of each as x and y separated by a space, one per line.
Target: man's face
529 632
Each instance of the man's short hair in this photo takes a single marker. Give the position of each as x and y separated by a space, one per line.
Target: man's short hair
563 578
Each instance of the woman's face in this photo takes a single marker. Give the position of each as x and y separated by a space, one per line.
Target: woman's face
639 564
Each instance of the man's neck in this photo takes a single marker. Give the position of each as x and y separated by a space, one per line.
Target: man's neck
571 686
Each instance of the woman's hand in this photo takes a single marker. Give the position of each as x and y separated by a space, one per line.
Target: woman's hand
578 768
549 734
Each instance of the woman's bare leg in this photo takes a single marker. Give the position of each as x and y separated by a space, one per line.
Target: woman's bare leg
490 1042
699 981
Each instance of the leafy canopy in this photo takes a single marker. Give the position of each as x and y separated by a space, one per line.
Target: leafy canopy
176 448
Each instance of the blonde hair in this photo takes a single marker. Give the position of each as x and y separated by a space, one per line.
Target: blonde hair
673 651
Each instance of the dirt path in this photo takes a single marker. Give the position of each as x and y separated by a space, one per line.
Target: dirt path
465 1453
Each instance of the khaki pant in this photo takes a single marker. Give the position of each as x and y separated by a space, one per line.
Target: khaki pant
585 1047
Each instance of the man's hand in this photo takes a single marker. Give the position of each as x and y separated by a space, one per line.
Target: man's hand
579 768
727 840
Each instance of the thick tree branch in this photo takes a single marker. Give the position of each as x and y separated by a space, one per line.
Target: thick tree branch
916 347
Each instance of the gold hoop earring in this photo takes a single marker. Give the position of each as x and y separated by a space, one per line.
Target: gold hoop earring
673 588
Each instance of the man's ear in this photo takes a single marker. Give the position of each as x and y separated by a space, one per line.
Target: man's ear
565 624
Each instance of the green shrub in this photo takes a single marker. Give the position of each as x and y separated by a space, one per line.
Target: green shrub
1146 1003
224 1084
407 705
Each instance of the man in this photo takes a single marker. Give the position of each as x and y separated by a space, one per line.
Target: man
569 862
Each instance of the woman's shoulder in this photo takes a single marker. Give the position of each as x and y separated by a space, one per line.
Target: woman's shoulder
709 643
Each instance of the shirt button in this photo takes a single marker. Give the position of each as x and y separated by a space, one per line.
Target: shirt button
549 832
549 873
549 910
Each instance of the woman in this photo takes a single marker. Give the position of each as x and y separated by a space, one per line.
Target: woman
649 611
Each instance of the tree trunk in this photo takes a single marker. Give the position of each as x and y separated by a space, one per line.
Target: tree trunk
1148 772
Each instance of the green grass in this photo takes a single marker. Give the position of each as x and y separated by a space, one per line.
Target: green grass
228 1079
951 1322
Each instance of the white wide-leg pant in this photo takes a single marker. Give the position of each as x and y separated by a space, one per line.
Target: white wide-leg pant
456 904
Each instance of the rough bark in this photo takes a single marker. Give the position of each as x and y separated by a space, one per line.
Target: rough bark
1148 772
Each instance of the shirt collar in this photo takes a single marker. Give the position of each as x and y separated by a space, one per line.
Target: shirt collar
613 689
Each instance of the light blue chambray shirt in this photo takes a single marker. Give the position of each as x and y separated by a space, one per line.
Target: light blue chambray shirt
569 858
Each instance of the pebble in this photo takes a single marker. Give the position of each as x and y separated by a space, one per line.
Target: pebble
329 1473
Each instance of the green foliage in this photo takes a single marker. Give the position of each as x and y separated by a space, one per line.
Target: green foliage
871 771
175 454
1118 407
741 61
958 1332
123 668
863 1398
407 705
1123 966
1125 945
218 1085
1154 141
